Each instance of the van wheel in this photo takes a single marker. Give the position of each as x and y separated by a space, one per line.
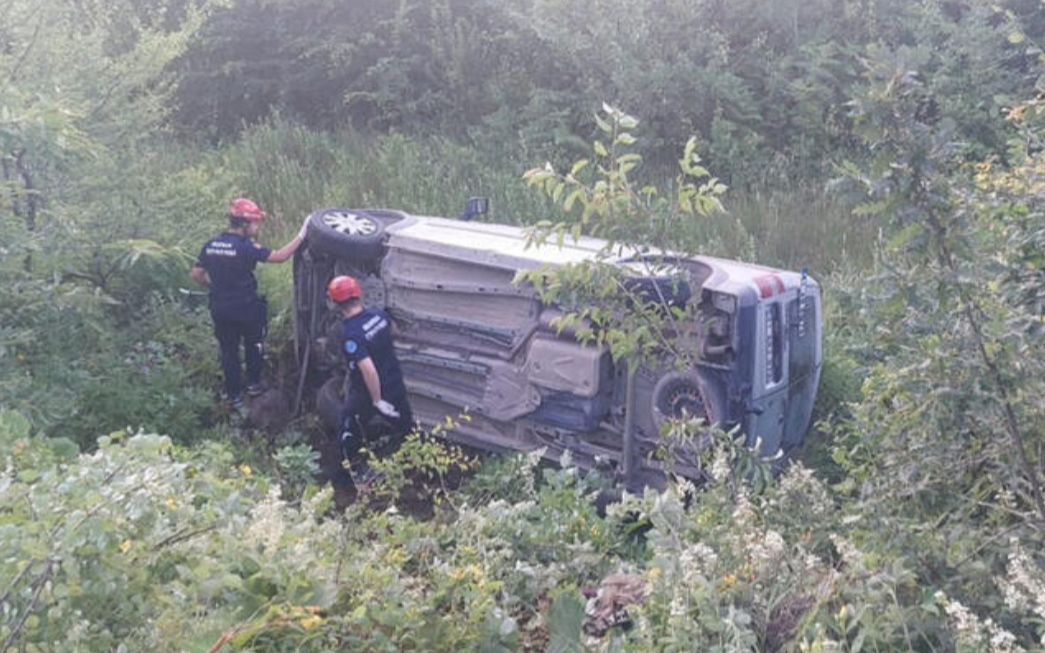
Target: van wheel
677 394
329 401
349 233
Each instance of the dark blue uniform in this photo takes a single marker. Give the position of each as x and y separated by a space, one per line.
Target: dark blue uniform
239 314
368 334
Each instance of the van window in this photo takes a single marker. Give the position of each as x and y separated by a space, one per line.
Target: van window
774 345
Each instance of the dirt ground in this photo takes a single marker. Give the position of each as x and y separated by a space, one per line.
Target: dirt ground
270 413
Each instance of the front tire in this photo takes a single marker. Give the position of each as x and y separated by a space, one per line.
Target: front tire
355 234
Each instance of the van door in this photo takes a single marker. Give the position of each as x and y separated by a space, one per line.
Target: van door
772 368
805 356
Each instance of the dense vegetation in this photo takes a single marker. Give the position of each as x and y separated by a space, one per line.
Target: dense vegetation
893 147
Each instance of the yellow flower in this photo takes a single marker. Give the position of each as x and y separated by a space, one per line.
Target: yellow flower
245 469
1017 112
309 623
125 546
171 503
457 573
729 580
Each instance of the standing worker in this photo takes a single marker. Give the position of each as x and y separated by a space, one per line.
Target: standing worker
375 378
226 265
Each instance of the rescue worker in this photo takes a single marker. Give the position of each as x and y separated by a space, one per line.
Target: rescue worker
226 265
375 379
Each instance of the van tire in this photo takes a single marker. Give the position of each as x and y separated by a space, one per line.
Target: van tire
674 394
349 233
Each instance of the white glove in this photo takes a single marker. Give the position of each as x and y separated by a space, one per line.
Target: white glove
304 228
387 409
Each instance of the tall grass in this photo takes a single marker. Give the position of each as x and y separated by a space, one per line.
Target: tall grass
294 170
802 226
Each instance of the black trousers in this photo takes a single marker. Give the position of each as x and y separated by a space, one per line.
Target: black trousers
357 413
235 327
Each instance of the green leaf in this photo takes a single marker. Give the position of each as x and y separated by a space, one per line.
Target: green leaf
13 426
565 618
571 198
628 122
905 236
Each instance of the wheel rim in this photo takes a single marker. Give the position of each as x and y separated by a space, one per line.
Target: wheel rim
352 224
684 399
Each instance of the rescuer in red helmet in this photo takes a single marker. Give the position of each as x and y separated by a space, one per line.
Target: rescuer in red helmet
375 378
226 265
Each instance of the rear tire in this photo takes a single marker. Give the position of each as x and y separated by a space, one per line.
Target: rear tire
677 394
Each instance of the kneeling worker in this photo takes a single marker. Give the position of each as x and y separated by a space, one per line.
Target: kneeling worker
375 379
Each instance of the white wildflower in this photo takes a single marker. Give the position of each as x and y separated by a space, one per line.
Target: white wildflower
766 550
851 555
525 569
965 623
1007 498
697 562
316 504
721 469
267 525
686 487
1024 584
679 606
744 513
1001 640
799 485
970 632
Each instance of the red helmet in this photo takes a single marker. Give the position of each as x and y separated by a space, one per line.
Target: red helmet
343 288
246 209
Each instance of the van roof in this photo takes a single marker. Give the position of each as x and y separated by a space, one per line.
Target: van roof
498 245
506 246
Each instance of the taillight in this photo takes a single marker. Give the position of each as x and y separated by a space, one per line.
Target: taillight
717 314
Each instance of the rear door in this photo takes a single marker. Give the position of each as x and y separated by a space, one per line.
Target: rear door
772 364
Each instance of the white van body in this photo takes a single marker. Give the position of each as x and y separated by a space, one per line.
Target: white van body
474 341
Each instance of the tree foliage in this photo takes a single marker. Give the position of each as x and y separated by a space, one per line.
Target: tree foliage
763 85
944 451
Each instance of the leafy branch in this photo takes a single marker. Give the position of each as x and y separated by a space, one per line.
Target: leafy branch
599 198
939 262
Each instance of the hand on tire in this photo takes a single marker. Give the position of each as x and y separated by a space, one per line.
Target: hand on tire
387 409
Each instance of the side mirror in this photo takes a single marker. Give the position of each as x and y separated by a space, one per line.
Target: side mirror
473 207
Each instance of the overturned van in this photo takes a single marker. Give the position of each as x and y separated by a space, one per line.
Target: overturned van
471 340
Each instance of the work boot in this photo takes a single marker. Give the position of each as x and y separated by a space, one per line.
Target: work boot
239 408
255 389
